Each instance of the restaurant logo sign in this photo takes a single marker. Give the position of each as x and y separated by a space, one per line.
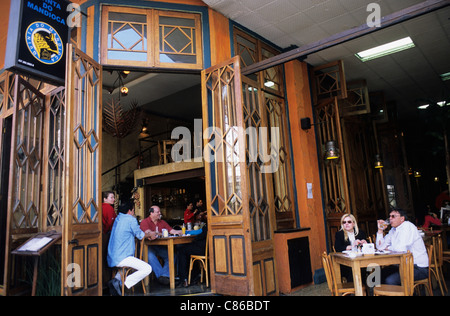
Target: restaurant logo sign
37 35
44 43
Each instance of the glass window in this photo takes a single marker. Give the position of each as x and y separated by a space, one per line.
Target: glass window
252 50
177 40
127 36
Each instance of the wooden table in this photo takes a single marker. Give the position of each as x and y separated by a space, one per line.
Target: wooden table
170 242
363 261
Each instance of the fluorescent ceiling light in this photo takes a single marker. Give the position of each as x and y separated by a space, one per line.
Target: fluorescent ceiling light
423 107
386 49
445 76
441 103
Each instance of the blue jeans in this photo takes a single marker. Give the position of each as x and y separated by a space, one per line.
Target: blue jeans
159 251
391 275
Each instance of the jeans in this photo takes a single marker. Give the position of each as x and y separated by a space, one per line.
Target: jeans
391 274
159 251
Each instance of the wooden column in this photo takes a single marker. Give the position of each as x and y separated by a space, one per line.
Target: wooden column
305 159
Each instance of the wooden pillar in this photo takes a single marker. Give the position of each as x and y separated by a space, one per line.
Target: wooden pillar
305 159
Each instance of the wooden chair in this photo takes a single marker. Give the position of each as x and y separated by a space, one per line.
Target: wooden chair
125 271
426 282
437 262
407 287
446 256
335 288
203 262
165 151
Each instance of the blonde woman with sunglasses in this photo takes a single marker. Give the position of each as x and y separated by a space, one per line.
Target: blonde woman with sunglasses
349 235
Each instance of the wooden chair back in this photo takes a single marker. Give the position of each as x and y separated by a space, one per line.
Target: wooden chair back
329 273
426 282
204 263
437 263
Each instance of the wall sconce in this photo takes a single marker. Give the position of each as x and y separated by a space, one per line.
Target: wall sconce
378 162
331 150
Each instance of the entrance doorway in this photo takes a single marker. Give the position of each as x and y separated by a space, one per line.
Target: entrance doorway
154 105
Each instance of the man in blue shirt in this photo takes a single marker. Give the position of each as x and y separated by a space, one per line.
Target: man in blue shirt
122 246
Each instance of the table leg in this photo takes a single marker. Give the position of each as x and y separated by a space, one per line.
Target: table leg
35 275
356 267
171 264
337 272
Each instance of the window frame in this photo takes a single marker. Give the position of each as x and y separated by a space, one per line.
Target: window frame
153 38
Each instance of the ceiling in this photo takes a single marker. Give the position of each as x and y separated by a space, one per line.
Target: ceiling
410 78
164 94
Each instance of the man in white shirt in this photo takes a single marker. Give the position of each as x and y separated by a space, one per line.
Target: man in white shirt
403 236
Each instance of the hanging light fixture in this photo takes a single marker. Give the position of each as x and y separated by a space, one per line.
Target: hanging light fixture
124 91
144 130
378 162
331 150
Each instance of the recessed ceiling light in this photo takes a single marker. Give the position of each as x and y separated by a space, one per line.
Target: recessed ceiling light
386 49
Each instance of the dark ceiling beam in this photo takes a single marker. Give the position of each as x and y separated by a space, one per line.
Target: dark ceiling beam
340 38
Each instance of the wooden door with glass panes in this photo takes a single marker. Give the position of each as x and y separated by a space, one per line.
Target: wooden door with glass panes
21 115
82 238
238 170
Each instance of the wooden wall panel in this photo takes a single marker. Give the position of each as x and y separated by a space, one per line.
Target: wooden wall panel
220 37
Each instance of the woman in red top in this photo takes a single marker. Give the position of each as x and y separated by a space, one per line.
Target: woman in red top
108 217
108 213
189 215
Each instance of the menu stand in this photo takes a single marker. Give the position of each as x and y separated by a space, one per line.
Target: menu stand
35 247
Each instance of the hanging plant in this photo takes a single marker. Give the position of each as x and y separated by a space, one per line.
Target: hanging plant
118 122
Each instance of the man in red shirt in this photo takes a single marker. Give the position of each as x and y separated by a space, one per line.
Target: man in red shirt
155 224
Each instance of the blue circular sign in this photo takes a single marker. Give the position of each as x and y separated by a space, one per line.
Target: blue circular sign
44 43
